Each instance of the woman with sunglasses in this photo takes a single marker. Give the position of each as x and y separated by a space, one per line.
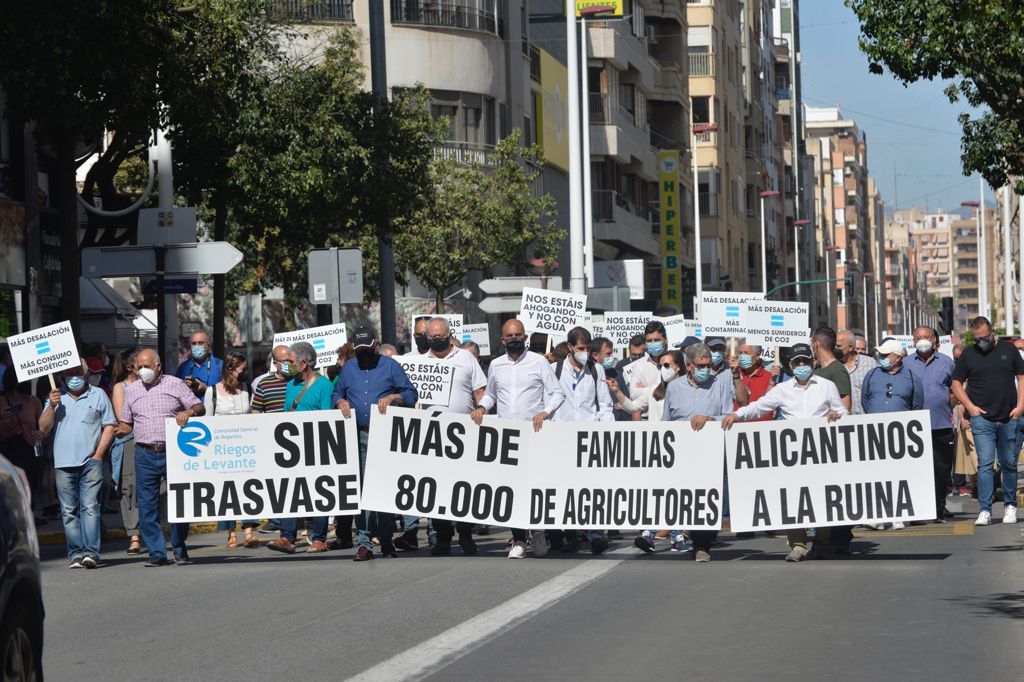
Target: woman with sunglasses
670 364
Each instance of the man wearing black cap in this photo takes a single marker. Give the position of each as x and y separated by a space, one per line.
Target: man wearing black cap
372 380
807 397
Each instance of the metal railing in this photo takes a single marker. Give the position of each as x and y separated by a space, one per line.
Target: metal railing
702 64
312 10
535 63
466 153
603 205
707 139
708 204
446 15
599 107
659 141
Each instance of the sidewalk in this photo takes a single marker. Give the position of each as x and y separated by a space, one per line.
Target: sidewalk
53 532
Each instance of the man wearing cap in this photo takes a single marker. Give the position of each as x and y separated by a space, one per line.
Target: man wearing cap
935 371
373 380
201 369
806 397
727 368
522 387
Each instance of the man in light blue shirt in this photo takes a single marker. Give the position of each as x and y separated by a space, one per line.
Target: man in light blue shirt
82 420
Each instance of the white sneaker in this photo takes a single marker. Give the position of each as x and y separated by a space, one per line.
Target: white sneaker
540 543
518 550
1010 514
898 525
984 519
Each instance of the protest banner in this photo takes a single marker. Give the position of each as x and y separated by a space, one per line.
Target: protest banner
325 340
807 473
621 326
775 322
675 329
627 475
43 351
905 340
443 466
946 345
693 328
721 313
551 312
454 324
480 334
431 377
273 465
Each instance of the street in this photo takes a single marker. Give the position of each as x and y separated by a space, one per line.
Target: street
935 601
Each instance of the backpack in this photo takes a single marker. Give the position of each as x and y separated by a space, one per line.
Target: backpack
593 375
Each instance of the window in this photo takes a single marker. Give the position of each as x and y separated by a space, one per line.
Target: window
627 99
701 109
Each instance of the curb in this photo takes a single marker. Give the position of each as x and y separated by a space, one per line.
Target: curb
56 537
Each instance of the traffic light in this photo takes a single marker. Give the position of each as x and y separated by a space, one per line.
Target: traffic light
946 314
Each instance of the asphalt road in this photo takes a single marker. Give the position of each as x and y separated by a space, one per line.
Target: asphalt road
934 602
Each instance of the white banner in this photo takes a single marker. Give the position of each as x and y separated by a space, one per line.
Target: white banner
325 340
443 466
479 334
551 312
946 345
675 329
431 377
809 473
721 313
621 326
627 475
43 351
274 465
775 322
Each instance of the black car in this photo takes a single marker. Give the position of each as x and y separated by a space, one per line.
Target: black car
21 598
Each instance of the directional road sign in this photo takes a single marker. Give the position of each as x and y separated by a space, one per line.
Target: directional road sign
206 258
515 285
501 304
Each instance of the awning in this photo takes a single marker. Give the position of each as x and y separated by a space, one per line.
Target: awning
99 298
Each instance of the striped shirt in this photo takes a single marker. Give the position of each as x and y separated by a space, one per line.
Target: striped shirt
147 406
268 396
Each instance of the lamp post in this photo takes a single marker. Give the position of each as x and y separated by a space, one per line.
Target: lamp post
797 224
695 130
767 194
865 276
982 293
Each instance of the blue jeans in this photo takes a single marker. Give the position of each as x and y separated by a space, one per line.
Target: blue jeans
992 439
150 472
290 529
78 489
231 525
371 523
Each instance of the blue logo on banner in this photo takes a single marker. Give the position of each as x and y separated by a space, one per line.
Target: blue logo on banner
319 344
778 321
732 311
42 348
192 437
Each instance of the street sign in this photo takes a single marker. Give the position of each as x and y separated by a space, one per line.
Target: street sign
515 285
621 273
501 304
206 258
335 276
166 226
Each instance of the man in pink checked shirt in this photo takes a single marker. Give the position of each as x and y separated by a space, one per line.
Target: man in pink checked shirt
147 403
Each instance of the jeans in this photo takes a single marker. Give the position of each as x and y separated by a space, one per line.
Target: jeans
992 439
78 489
290 528
246 523
370 523
943 449
150 472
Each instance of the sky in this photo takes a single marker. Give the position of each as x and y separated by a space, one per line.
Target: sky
912 132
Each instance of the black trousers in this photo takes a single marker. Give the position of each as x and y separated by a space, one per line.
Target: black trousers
445 530
703 539
943 450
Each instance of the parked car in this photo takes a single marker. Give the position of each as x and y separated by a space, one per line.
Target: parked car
21 597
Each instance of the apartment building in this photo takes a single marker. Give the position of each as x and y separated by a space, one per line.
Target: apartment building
965 271
931 241
874 278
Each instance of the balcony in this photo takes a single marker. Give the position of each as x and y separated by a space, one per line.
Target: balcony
669 82
599 107
466 153
448 15
303 11
709 204
618 220
659 141
707 139
702 64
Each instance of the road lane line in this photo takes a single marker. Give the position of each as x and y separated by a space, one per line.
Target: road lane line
438 652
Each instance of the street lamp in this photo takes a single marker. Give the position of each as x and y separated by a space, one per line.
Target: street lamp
695 130
982 284
797 224
865 276
767 194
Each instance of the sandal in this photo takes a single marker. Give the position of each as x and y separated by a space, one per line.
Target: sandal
135 547
232 541
250 541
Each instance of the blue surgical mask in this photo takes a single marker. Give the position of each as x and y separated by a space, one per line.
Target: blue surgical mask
716 358
803 372
655 349
199 352
75 384
885 363
701 374
746 362
608 362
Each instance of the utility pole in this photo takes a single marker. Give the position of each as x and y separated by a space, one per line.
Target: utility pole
385 253
577 256
1007 262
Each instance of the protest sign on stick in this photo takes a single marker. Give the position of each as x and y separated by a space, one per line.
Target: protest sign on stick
46 350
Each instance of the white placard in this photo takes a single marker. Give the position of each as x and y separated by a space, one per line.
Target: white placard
443 466
675 328
905 340
480 334
551 312
693 328
775 322
273 465
43 351
628 475
325 340
620 327
454 324
721 313
431 377
810 473
946 345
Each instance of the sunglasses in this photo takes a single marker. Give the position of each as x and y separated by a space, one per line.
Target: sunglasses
667 365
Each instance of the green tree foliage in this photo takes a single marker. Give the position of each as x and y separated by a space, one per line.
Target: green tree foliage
477 219
976 44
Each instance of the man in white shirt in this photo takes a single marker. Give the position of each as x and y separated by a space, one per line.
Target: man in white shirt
645 372
521 385
805 397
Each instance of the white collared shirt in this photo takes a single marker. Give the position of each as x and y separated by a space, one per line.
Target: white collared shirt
793 401
522 388
468 378
641 375
579 387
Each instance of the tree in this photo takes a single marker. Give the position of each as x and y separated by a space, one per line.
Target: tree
979 47
477 219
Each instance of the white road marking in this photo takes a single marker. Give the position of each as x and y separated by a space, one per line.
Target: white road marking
434 654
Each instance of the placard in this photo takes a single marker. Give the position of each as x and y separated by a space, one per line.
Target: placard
620 327
431 377
721 313
775 322
550 312
480 334
271 465
675 328
47 350
325 340
810 473
946 345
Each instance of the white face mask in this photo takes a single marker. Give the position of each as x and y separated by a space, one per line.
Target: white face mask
147 375
923 346
668 374
581 357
